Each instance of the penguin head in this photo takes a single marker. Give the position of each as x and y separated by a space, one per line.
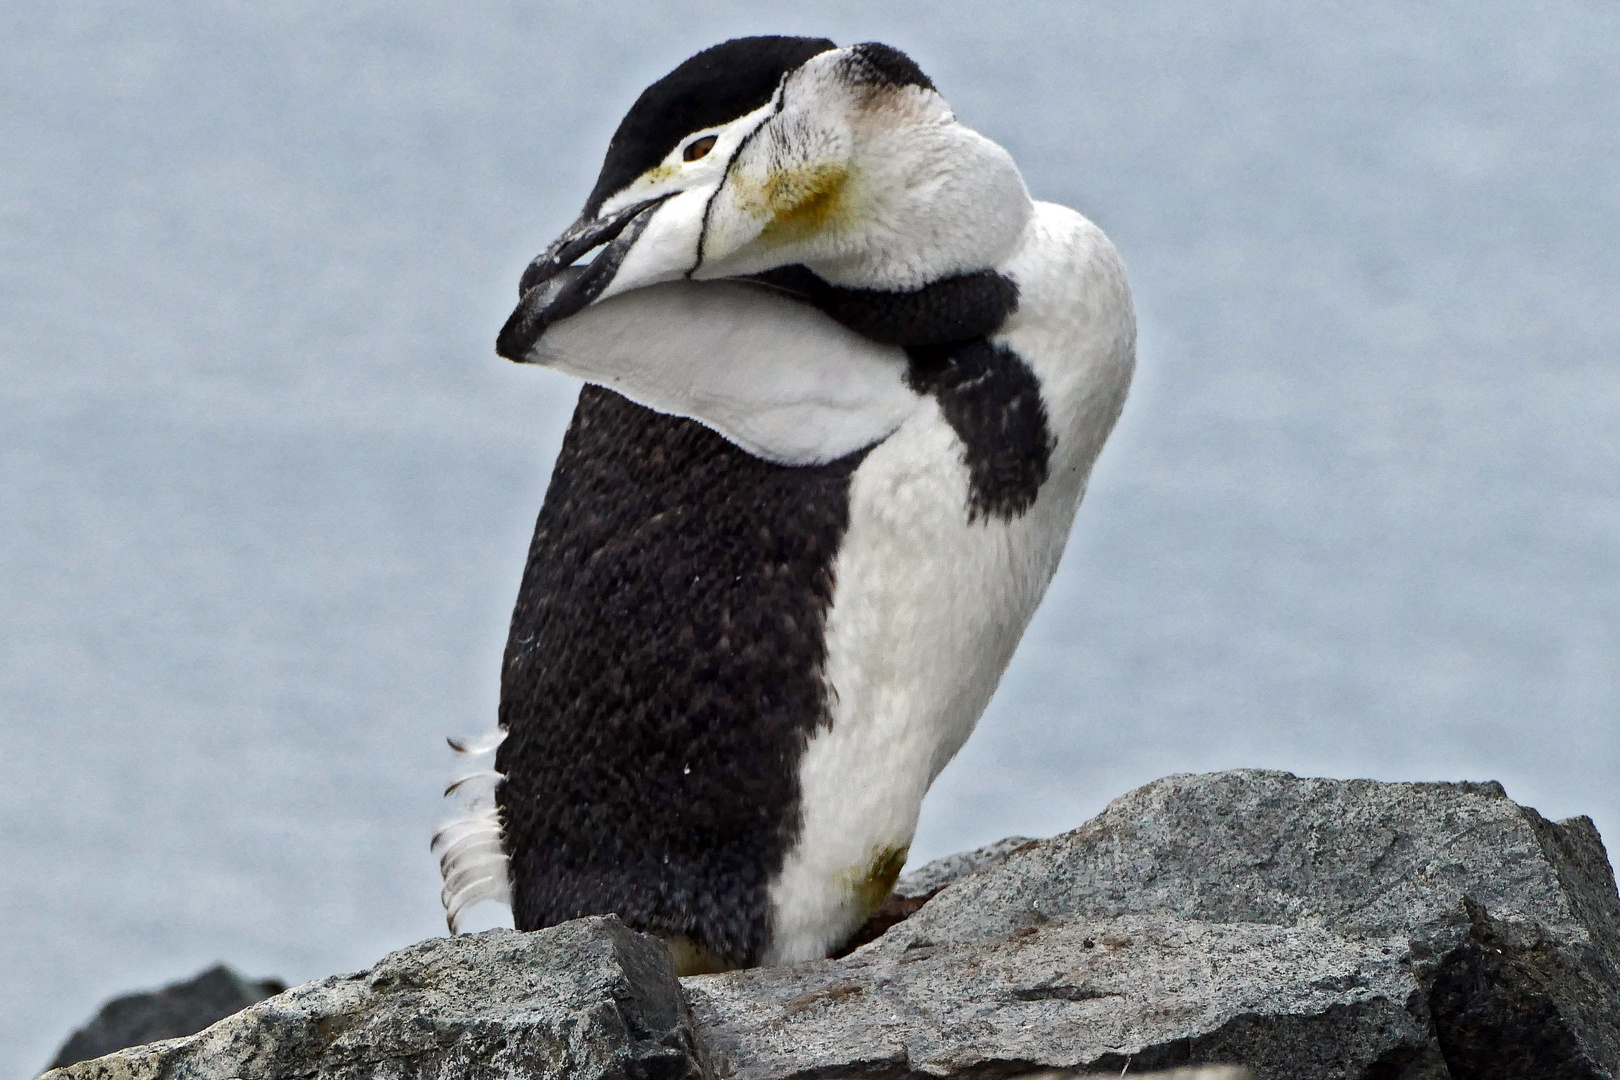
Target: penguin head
767 152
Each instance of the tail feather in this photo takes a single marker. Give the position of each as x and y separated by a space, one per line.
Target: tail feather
484 744
490 888
474 848
461 781
468 863
471 849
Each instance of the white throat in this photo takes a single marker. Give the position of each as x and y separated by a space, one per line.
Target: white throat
774 376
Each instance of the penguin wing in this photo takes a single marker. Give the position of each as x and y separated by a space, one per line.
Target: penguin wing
774 376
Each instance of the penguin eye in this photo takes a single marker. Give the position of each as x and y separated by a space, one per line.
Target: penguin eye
698 148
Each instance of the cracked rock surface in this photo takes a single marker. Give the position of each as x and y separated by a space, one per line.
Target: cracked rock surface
1290 929
588 999
1303 928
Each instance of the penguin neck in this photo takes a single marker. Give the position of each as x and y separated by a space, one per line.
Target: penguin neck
955 308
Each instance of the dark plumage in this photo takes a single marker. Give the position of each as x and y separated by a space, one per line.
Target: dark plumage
992 400
956 308
719 84
661 678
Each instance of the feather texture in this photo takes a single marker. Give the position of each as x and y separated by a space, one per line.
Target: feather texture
471 850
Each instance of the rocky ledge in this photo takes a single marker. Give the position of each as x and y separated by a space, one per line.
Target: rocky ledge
1282 927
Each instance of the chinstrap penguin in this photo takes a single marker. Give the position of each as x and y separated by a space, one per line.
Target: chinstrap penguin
845 383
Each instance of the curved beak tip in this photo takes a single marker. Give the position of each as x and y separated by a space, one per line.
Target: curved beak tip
539 307
552 289
513 342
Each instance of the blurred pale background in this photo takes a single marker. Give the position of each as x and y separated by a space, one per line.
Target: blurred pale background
265 490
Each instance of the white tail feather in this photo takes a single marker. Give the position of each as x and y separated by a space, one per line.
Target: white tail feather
469 865
482 745
473 848
459 836
472 856
490 888
460 781
467 873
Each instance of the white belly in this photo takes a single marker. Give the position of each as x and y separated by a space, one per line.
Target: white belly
927 606
927 610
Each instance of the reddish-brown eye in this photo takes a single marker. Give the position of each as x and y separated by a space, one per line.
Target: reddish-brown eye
699 147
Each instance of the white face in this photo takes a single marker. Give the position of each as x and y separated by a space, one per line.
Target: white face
871 186
667 249
867 183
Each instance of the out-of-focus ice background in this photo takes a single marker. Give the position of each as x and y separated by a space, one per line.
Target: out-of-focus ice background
265 490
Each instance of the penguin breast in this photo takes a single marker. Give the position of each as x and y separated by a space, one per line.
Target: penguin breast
930 599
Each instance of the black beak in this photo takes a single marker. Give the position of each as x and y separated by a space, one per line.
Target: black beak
552 288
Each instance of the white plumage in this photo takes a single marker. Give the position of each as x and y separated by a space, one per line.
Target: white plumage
472 859
928 608
773 375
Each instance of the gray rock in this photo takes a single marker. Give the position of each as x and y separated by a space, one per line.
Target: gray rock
589 999
915 889
1304 928
182 1008
1195 1072
927 880
1285 928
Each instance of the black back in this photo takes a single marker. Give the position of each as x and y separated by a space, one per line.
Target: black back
714 87
663 676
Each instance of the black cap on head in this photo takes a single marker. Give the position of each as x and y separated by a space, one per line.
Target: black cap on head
717 85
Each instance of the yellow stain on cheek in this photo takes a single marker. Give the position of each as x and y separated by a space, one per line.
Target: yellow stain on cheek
802 202
657 174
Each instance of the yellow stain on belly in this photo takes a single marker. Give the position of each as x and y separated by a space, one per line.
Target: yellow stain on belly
872 884
694 958
802 201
